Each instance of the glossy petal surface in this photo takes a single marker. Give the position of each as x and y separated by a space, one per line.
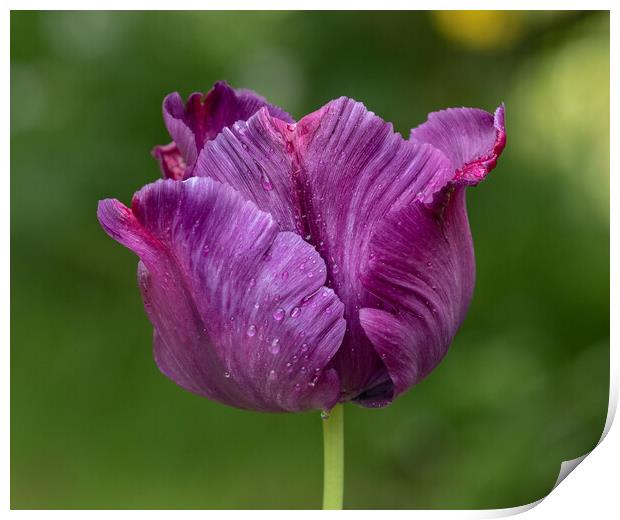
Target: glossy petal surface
235 318
330 178
422 265
422 268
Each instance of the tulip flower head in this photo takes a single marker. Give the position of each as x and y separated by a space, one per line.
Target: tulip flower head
289 266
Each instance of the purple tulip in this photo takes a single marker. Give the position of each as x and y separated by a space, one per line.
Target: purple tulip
291 266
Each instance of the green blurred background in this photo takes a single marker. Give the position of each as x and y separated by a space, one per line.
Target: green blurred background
525 385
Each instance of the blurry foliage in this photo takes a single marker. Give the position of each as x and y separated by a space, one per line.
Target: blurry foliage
525 385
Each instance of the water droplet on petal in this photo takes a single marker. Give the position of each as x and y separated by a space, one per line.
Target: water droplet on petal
278 314
272 375
274 346
251 332
295 312
266 183
227 375
284 275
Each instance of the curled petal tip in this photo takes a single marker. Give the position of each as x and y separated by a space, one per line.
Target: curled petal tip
173 104
120 223
473 172
471 138
112 215
500 127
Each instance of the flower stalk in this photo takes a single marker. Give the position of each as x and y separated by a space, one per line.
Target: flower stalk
333 458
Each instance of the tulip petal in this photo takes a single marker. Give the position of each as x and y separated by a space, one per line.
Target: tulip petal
236 320
421 265
330 178
471 138
171 161
422 268
202 118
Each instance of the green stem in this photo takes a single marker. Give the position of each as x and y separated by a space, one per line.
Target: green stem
333 460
